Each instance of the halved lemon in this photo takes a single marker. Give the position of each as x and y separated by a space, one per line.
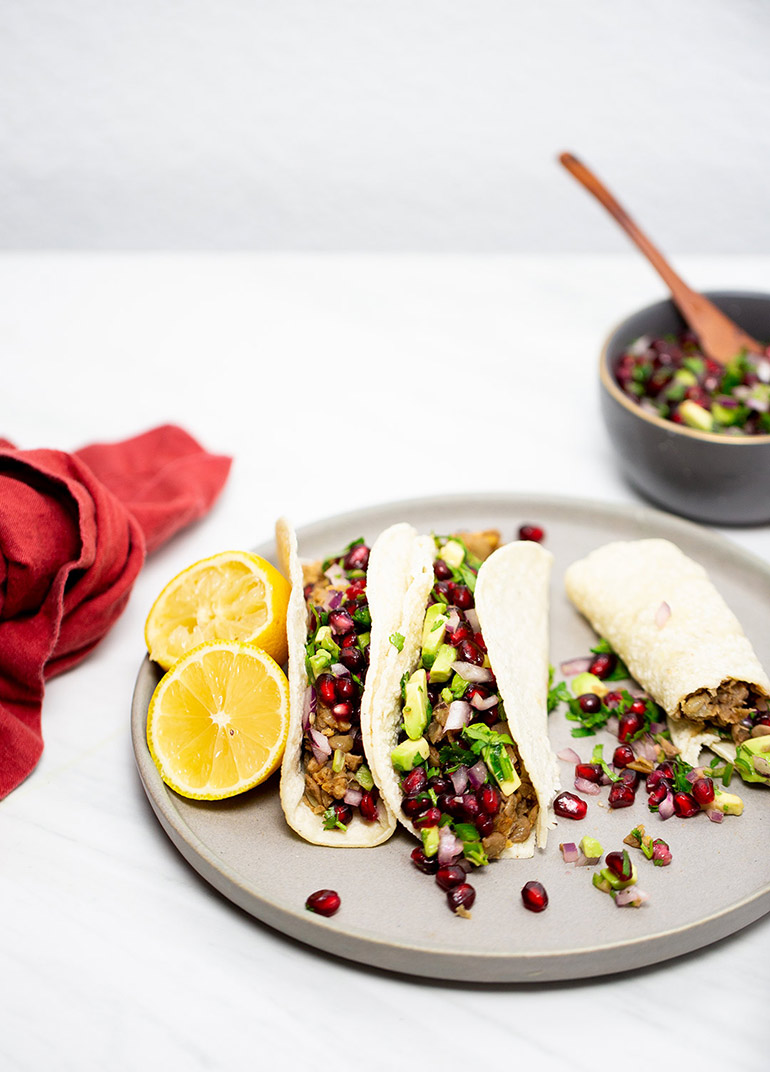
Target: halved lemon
218 720
234 595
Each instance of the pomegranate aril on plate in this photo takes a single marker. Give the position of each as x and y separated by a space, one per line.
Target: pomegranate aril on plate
603 665
629 724
531 532
461 896
534 897
592 772
623 755
685 805
323 902
568 806
427 864
450 876
621 795
620 864
703 791
589 703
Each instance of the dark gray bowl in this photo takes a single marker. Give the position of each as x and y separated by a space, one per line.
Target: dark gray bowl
707 477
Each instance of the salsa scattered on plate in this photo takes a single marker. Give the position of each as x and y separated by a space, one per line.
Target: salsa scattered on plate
672 378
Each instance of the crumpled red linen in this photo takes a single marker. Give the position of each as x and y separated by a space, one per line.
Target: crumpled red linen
74 532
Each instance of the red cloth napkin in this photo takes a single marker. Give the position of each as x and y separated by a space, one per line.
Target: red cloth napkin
74 531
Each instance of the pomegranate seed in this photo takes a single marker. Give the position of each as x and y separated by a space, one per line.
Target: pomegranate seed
368 808
703 791
463 598
620 864
442 587
346 688
685 805
534 897
356 558
327 688
666 770
341 622
343 811
432 817
414 782
654 778
569 806
639 707
489 799
612 699
657 795
350 640
441 570
623 755
469 653
452 805
475 690
761 720
462 632
470 807
449 876
415 806
323 902
485 824
603 665
479 641
531 532
590 703
440 785
592 772
352 659
621 795
461 896
629 725
342 711
356 590
630 777
427 864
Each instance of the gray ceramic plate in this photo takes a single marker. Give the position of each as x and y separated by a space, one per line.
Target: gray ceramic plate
394 917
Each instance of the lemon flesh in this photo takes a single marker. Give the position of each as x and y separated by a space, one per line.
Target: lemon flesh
218 720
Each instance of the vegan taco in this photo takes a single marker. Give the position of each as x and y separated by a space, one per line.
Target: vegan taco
459 742
341 613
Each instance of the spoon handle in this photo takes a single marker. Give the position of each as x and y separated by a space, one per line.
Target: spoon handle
719 336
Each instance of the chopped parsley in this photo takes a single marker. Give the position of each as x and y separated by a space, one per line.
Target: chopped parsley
397 641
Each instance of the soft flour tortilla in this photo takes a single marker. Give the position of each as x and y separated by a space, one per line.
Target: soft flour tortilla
512 605
385 588
697 648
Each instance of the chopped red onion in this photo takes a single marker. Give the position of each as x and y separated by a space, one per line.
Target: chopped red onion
762 369
662 614
335 600
640 346
715 815
453 618
631 895
569 851
353 797
339 670
449 846
485 704
586 861
472 619
591 789
576 666
477 774
657 727
309 705
666 806
471 672
569 755
459 715
335 574
647 749
459 779
320 745
758 404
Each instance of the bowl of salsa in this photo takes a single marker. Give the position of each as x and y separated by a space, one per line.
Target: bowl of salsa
691 435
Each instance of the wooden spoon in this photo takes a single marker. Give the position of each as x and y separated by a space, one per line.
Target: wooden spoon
720 338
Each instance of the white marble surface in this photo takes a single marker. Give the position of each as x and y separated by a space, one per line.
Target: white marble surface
114 952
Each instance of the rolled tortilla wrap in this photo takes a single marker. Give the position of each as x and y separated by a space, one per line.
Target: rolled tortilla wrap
385 587
511 602
679 639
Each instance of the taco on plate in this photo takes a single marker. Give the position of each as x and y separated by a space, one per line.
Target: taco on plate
459 739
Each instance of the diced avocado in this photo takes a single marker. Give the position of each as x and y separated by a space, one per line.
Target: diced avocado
453 553
727 415
500 766
585 683
727 803
433 630
430 840
364 778
600 882
442 666
415 710
408 754
446 695
320 663
363 640
615 882
591 848
695 416
458 686
324 639
686 377
752 760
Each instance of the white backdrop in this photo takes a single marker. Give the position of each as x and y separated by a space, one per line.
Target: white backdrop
381 124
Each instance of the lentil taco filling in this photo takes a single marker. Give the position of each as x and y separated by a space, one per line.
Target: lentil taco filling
463 783
338 782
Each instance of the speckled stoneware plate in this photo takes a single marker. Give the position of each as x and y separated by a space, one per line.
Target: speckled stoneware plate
394 917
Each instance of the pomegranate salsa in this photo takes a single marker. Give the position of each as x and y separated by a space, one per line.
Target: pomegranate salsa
463 783
672 378
337 781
